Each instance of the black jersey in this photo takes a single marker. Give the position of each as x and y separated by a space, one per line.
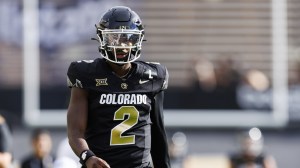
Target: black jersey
121 111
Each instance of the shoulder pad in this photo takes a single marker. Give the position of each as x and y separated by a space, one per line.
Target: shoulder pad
78 73
158 72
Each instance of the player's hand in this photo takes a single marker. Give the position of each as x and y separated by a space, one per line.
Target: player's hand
95 162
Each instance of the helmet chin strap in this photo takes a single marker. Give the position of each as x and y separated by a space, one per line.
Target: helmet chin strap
94 39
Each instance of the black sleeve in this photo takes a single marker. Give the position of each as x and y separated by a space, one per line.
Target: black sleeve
159 144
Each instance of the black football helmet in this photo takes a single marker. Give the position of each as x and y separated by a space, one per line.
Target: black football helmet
120 33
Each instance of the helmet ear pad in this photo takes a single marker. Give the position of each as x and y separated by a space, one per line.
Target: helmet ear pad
98 32
101 49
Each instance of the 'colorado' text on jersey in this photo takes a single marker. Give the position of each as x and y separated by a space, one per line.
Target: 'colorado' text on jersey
119 125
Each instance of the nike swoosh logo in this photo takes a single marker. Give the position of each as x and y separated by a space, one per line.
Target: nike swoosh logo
143 81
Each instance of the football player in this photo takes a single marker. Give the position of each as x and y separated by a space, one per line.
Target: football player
115 115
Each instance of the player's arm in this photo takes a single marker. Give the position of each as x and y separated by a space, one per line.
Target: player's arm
76 120
76 125
159 144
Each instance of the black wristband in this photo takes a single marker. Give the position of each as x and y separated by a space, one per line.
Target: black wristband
85 155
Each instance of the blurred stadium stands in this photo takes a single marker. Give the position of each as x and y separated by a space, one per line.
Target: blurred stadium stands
180 34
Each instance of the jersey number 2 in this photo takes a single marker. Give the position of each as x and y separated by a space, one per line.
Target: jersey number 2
116 137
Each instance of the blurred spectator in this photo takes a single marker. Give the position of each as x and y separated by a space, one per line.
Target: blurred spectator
226 74
294 93
250 153
257 80
216 84
206 77
254 91
178 148
41 156
65 157
5 145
